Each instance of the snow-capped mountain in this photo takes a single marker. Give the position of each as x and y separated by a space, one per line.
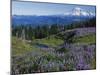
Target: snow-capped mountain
79 12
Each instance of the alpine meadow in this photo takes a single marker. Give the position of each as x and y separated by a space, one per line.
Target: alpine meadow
52 37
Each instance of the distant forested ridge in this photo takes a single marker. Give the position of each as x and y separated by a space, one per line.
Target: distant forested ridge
48 20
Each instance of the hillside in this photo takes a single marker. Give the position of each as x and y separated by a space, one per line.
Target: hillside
54 54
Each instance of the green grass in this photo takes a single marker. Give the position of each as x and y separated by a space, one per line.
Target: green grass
93 64
51 41
20 47
86 39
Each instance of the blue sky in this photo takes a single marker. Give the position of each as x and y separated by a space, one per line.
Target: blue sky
33 8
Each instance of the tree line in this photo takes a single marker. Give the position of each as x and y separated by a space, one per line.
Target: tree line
29 32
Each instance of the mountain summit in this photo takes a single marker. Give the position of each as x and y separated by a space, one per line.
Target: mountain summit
77 11
76 14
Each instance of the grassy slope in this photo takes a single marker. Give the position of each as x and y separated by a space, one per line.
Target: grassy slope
19 47
51 41
86 39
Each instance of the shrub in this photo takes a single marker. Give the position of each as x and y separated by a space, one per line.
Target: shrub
63 49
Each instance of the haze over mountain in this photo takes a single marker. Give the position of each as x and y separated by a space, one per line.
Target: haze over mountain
77 14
